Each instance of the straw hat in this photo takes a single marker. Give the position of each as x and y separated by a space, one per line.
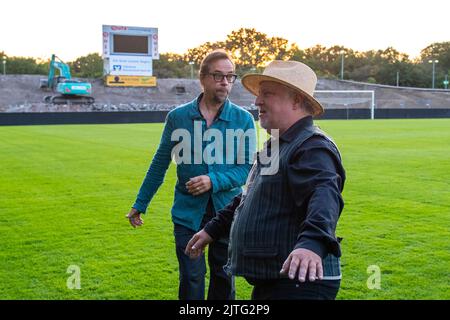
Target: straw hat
294 74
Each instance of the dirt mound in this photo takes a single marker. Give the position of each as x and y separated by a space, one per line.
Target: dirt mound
21 93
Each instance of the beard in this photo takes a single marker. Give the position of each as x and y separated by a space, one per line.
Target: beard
220 96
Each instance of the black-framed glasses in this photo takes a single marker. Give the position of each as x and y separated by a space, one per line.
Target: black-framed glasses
218 77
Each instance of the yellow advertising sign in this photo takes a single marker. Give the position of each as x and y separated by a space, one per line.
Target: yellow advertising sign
130 81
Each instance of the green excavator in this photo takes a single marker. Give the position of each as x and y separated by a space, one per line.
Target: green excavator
71 91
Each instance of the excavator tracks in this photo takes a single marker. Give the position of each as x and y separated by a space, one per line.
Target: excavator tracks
62 99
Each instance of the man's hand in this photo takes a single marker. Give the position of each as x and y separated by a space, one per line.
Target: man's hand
197 244
135 218
198 185
305 262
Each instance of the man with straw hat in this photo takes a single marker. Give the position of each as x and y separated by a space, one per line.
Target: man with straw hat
285 219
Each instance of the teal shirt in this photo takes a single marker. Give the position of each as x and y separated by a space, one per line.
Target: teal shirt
227 166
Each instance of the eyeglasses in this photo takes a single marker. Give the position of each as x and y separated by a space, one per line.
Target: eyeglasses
218 77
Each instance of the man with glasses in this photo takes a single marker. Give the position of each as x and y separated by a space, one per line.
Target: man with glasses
203 187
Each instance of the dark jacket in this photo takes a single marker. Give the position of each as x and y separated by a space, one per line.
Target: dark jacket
298 207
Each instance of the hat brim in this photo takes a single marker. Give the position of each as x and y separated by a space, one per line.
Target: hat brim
252 82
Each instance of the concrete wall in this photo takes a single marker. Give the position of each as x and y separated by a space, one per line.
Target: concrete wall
46 118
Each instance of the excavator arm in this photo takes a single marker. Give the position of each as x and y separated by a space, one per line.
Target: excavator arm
64 71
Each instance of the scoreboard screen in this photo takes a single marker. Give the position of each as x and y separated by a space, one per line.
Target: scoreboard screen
130 44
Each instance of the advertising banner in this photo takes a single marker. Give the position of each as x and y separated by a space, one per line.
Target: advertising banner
130 81
130 65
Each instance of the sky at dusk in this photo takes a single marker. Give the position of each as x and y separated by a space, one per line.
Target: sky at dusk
72 29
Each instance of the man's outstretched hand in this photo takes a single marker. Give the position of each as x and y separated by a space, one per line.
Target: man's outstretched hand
303 262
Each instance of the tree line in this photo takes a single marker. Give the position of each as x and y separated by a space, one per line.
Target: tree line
252 50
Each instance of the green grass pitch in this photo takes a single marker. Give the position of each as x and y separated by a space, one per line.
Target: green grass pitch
64 192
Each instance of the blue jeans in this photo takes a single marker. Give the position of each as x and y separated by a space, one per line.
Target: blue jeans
287 289
193 271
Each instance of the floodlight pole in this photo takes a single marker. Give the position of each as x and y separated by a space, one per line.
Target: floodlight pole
191 63
342 65
4 66
434 64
